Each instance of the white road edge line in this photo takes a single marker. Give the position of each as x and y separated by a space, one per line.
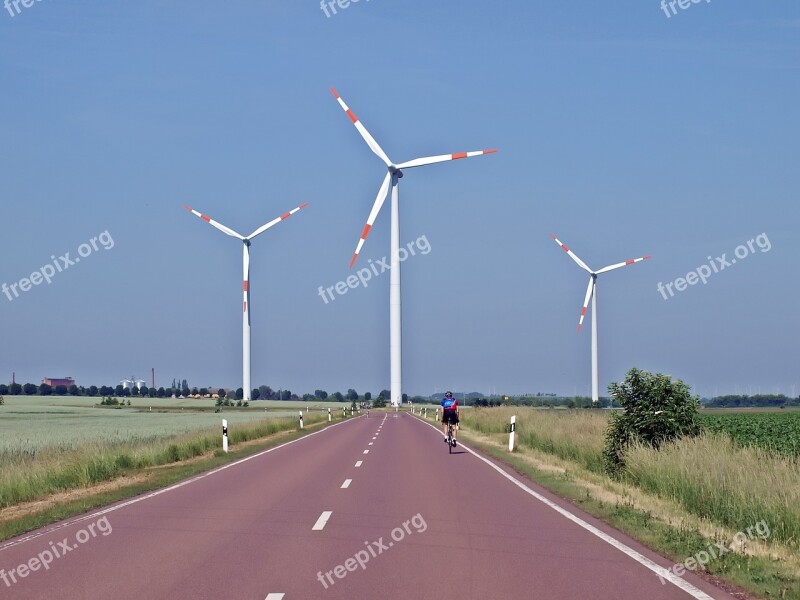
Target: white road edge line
322 521
359 463
346 484
627 550
110 509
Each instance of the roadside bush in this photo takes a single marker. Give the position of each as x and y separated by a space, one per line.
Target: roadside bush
657 410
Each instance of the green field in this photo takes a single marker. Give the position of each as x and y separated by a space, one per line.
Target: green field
776 431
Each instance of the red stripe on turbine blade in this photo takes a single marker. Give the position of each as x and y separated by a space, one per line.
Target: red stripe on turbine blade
492 151
629 262
333 91
286 216
304 204
459 155
583 312
646 257
553 236
564 246
579 327
353 118
366 231
205 218
187 207
245 285
353 261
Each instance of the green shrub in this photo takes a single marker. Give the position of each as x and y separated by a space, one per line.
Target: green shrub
656 410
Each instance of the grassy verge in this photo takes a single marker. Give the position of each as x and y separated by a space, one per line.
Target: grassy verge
162 466
679 501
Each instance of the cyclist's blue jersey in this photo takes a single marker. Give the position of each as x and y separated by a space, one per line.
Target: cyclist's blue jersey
449 404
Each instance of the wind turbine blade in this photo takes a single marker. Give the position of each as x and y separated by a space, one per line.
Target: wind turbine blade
622 264
376 208
213 223
572 255
421 162
283 217
246 280
589 292
363 130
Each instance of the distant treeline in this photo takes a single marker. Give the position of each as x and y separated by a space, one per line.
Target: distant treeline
757 401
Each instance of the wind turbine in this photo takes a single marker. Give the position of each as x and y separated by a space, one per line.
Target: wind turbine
393 178
591 293
246 282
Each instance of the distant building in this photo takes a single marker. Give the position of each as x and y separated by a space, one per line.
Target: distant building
129 384
53 382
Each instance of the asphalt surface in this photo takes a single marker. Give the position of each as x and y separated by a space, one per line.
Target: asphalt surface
372 508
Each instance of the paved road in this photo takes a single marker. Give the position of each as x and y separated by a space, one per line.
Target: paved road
381 492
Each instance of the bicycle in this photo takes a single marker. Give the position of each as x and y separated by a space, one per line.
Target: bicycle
451 442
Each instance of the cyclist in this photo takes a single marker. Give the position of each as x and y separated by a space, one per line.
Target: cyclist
449 415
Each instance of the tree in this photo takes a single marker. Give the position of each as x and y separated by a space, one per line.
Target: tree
119 389
367 397
239 393
380 402
255 394
352 395
161 392
337 397
3 388
309 397
405 398
184 385
185 392
286 395
134 391
321 394
152 392
266 392
92 391
45 390
61 390
386 394
144 391
657 410
15 389
73 390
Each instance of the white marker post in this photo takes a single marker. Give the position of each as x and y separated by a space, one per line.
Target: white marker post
437 414
301 419
225 435
329 416
512 430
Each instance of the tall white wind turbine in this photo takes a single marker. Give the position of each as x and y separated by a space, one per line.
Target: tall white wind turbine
246 283
591 294
393 178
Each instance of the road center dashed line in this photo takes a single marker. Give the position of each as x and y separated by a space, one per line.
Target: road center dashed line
114 507
366 451
275 596
346 484
322 521
359 463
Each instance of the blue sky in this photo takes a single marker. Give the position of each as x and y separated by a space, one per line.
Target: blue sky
622 131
